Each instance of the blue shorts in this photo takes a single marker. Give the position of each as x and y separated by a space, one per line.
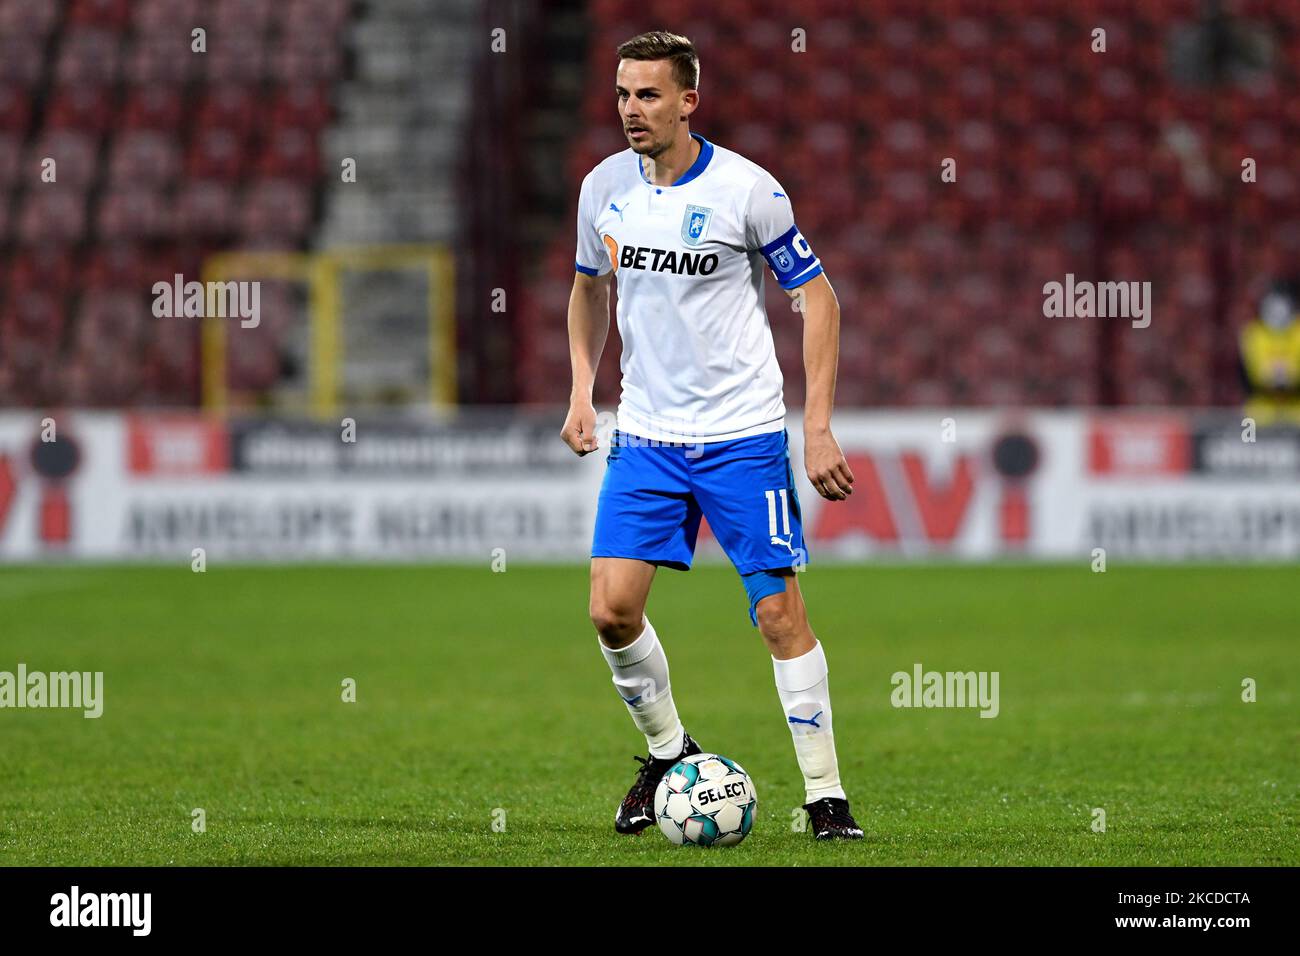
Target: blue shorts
654 494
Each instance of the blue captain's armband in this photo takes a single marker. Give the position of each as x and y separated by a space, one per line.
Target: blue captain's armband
790 259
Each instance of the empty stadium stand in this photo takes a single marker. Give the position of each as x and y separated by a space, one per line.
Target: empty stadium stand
1119 165
162 154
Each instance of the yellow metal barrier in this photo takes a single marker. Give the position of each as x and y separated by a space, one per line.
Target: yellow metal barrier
321 272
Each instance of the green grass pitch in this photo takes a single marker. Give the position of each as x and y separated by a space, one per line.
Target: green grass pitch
479 691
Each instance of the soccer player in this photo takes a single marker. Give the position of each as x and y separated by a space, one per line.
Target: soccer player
687 227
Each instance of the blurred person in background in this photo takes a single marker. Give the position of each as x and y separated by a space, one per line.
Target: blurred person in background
1270 358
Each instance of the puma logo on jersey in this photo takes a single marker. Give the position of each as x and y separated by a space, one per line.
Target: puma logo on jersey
789 545
668 260
619 211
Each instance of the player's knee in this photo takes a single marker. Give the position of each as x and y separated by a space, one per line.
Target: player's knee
617 622
778 617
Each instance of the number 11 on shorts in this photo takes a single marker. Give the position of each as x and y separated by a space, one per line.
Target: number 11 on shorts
771 512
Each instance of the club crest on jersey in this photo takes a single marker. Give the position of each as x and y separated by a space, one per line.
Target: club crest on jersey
695 224
783 260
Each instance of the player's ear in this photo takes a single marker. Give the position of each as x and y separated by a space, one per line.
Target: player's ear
690 100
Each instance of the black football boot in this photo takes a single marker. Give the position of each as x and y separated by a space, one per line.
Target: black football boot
829 819
637 811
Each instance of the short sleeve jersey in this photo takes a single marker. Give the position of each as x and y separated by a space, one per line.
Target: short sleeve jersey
688 259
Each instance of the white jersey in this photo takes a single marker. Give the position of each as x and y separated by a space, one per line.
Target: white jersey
698 361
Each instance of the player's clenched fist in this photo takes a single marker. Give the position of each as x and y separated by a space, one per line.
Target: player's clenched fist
579 431
827 468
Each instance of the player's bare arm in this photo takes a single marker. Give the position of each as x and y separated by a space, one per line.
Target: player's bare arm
588 329
823 459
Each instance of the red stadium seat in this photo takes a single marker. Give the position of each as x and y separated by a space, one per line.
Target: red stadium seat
45 266
230 107
206 208
172 365
52 213
35 317
20 61
239 58
320 64
144 156
10 160
75 154
255 365
304 106
24 20
289 153
88 56
275 210
117 315
116 265
85 108
160 17
164 58
110 14
330 14
249 16
15 109
152 107
106 376
134 213
216 153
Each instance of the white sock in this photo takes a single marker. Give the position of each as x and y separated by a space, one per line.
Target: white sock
641 676
801 683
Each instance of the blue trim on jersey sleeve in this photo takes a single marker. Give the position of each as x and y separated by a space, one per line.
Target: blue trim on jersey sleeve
701 163
790 266
584 270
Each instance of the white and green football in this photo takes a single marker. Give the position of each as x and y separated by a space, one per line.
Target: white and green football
706 800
